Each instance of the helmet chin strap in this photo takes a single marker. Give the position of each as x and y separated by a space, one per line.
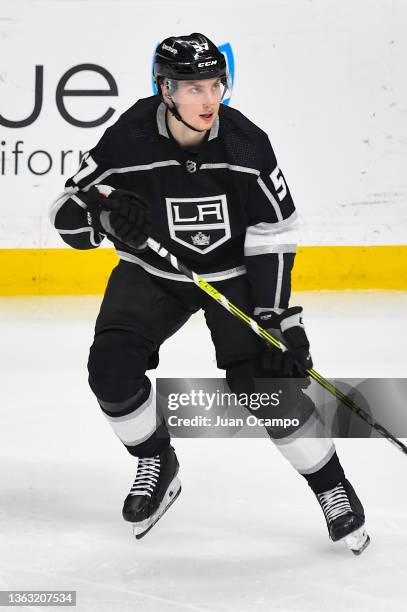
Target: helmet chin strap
174 111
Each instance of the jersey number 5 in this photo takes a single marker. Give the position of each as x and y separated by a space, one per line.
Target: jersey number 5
279 183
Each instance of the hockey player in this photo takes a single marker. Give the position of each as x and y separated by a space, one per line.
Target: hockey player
204 181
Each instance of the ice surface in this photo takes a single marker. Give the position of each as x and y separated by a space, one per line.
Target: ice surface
246 532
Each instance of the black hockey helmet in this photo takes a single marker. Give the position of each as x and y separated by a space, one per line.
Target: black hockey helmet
188 58
192 57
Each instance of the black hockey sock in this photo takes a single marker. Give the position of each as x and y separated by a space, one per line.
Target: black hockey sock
154 445
327 477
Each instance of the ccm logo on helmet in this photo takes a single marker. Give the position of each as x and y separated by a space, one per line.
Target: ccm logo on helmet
207 63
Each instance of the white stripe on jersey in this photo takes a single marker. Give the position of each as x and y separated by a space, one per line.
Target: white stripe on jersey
279 283
260 182
215 276
160 164
230 167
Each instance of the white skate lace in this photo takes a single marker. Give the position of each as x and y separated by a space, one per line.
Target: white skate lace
334 502
148 471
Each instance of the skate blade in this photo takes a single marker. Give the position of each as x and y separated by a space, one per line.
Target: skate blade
140 529
357 541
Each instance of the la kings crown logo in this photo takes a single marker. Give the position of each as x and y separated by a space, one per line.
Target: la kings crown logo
200 224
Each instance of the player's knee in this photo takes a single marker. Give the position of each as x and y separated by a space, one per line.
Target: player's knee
117 362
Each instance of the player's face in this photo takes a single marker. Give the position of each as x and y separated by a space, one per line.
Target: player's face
198 101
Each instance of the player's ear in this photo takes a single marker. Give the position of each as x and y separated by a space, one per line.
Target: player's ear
165 95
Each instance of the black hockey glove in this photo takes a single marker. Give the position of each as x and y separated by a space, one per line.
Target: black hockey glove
128 216
289 328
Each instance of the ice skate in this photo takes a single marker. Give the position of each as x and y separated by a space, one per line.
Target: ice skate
344 516
155 488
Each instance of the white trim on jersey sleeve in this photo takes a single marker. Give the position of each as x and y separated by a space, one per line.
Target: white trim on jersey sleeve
68 192
81 230
271 198
281 237
279 283
88 169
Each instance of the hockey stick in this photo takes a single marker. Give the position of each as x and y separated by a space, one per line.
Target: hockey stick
223 301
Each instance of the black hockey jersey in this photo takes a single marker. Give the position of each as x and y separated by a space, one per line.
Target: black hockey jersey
224 211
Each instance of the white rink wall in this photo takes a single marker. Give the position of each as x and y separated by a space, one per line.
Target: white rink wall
326 79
